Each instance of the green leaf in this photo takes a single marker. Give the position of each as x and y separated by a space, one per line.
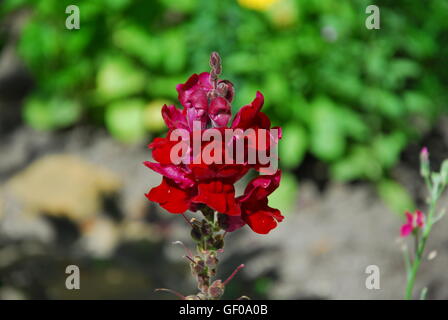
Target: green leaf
163 86
175 51
417 102
152 115
360 163
184 6
353 124
293 145
139 43
38 44
262 285
11 5
387 148
444 172
118 77
124 120
116 4
327 136
54 113
276 89
395 196
285 196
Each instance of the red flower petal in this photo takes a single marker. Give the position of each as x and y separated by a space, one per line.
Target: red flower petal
176 173
254 204
170 196
219 112
250 116
219 196
262 219
260 187
174 118
161 150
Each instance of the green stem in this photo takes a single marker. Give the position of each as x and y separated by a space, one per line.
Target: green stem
414 269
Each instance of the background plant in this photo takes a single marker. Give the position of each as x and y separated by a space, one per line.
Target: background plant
419 224
350 97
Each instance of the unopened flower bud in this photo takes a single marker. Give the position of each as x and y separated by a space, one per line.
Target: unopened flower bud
444 172
215 62
195 222
213 79
212 260
203 283
210 243
219 242
198 260
436 179
206 229
196 233
424 162
216 290
225 89
200 247
197 267
208 213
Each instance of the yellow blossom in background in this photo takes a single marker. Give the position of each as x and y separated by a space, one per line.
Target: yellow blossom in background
260 5
283 13
152 117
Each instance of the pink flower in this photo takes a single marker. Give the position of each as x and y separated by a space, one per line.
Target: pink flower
413 221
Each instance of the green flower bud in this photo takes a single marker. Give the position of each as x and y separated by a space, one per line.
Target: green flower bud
424 163
208 213
219 242
196 233
206 228
212 260
444 172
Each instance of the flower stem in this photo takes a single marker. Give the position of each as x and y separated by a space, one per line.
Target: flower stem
414 269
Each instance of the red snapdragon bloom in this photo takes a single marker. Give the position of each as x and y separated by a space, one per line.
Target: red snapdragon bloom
192 183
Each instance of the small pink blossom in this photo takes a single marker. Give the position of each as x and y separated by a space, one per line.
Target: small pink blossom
413 221
424 155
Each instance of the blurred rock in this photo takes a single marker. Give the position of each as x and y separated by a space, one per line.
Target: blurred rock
100 237
62 185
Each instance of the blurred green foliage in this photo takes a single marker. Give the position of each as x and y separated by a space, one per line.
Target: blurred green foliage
351 97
